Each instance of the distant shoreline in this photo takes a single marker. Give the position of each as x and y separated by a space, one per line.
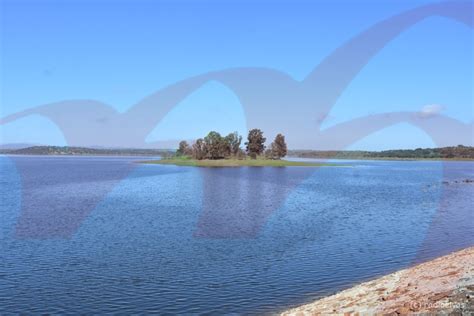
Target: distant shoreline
458 153
384 158
159 155
84 151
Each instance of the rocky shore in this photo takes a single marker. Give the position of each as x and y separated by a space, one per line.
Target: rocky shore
442 286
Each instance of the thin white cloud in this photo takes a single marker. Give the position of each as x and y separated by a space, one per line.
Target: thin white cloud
430 110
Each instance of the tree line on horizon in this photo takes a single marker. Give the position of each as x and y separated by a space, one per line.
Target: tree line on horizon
451 152
214 146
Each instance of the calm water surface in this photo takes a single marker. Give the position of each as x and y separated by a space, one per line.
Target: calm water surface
107 235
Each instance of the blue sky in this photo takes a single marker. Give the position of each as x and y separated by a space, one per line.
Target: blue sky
118 52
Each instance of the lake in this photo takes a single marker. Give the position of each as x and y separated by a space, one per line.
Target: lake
107 235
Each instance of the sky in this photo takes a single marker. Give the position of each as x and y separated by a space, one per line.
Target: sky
119 52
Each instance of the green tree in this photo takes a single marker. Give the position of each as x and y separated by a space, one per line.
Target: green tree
199 149
183 149
255 144
215 145
278 147
233 141
240 154
268 153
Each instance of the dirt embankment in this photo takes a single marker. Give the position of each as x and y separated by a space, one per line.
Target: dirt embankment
441 286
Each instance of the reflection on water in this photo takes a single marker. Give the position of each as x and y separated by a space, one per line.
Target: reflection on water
107 235
238 201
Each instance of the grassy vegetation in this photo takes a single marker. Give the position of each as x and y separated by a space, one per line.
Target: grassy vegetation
261 162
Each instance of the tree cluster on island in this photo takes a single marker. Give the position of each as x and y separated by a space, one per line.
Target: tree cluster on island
214 146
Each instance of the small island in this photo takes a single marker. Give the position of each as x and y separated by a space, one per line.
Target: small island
215 150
